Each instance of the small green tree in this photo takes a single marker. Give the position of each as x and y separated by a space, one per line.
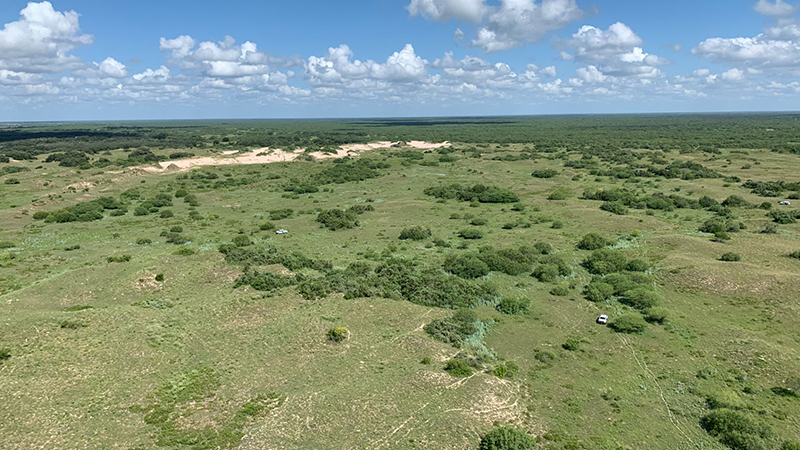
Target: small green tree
629 324
338 334
507 438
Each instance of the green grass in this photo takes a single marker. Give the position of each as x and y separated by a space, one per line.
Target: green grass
193 362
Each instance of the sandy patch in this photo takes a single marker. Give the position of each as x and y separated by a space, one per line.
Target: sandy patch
81 185
267 155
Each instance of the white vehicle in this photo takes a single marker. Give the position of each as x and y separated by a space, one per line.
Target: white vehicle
603 319
282 232
785 203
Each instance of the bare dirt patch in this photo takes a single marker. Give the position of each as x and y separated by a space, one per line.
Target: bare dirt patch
267 155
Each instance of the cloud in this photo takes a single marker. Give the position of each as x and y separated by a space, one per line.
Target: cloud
515 23
458 36
733 75
443 10
41 40
777 9
180 47
616 51
160 75
758 51
338 67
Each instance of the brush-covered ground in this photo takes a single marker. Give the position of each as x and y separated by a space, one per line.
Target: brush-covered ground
163 311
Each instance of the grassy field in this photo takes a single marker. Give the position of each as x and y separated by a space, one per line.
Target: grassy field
102 355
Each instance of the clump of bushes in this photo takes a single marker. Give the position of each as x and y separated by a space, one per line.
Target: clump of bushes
280 214
242 240
6 244
737 430
730 257
118 259
507 438
478 192
507 370
338 334
514 306
337 219
544 173
466 266
84 211
5 354
594 241
143 241
605 261
415 233
657 315
456 329
629 324
458 367
795 254
559 194
551 268
183 251
471 234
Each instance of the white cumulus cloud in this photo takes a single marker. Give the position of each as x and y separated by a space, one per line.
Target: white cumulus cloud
515 23
443 10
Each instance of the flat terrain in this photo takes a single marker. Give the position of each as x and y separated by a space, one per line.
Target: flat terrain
178 318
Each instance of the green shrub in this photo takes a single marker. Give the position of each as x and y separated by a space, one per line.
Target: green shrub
6 244
560 291
507 438
160 277
594 241
118 259
637 265
557 225
735 201
143 241
629 324
514 306
657 315
605 261
783 217
140 211
615 208
166 214
40 215
559 194
478 192
737 430
337 219
72 248
572 344
455 329
5 354
598 291
730 257
280 214
466 266
181 193
242 240
479 221
544 356
544 173
426 361
640 298
471 234
71 324
183 251
415 234
338 334
457 367
267 226
795 254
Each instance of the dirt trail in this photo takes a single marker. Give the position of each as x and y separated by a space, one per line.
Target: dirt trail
267 155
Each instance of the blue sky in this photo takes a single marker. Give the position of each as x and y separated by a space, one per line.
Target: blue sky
88 60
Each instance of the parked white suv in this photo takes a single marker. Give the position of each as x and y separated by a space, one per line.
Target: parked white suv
603 319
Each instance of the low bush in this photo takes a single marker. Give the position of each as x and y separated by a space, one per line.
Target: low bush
337 219
280 214
559 194
40 215
466 266
514 306
737 430
640 298
594 241
160 277
730 257
143 241
7 244
544 173
560 291
598 291
614 208
183 251
471 234
415 234
118 259
478 192
479 221
795 254
657 315
5 354
572 344
605 261
507 438
629 324
338 334
457 367
545 356
507 370
166 214
242 240
455 329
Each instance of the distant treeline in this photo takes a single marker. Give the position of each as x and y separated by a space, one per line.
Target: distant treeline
691 132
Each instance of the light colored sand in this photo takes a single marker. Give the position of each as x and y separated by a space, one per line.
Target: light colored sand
267 155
